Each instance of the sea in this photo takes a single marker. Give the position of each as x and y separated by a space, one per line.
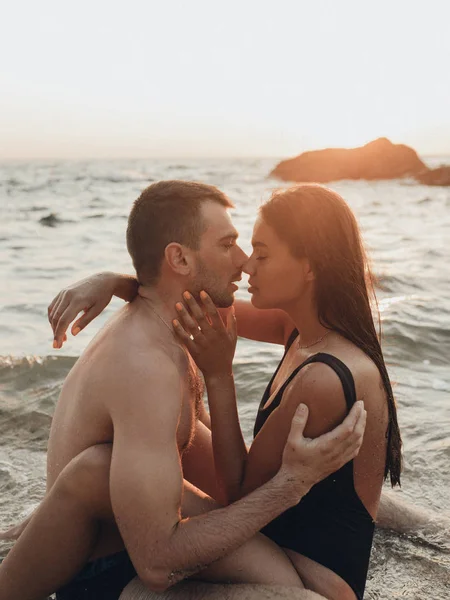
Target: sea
61 221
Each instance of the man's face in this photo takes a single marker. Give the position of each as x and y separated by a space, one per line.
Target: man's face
219 259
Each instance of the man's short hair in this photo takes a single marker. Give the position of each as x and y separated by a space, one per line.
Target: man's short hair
166 212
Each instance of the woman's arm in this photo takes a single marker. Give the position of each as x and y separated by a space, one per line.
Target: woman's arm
270 325
91 295
212 344
317 387
230 451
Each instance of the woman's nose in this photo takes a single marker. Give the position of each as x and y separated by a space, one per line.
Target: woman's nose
248 266
242 258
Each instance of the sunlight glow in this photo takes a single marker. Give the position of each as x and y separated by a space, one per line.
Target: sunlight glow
242 78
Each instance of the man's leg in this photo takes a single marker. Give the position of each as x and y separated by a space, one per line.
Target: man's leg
13 533
198 590
64 534
398 514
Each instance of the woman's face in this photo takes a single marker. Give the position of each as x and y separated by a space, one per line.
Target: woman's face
276 278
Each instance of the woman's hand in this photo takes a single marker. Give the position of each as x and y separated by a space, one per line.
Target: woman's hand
210 342
91 295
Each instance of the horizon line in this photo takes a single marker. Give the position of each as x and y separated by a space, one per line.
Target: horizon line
181 157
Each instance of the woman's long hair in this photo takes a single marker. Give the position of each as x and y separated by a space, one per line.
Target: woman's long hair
317 224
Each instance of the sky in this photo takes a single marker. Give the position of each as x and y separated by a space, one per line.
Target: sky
97 79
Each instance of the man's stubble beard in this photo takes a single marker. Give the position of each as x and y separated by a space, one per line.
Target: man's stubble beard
207 281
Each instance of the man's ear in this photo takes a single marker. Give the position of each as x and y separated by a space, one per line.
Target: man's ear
178 258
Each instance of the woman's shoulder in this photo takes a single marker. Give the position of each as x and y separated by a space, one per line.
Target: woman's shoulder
360 365
366 376
318 387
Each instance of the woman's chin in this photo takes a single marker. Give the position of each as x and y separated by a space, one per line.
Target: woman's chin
257 301
253 300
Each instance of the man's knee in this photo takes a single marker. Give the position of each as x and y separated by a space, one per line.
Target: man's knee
86 477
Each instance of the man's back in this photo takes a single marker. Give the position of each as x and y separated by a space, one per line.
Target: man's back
129 343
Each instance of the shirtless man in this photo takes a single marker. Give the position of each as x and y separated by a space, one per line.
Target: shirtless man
136 390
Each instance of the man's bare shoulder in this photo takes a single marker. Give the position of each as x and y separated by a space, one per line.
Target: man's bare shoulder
139 365
123 363
146 385
129 342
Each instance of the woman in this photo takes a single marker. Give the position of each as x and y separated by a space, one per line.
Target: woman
309 273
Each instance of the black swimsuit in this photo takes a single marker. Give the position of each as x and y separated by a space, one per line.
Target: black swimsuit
330 524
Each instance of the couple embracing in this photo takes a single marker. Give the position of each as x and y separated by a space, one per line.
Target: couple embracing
151 496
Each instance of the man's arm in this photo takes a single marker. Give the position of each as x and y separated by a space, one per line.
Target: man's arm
146 481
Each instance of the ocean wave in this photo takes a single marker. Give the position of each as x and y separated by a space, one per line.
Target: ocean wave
52 220
96 202
120 178
402 347
395 283
35 208
29 389
27 371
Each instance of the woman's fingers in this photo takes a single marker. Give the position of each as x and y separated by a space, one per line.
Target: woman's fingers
184 337
196 312
59 332
187 323
55 313
87 316
52 306
211 310
58 312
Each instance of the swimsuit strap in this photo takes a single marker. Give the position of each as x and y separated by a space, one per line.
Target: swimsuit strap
291 339
340 368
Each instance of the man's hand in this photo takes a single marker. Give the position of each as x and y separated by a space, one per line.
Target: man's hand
91 295
308 461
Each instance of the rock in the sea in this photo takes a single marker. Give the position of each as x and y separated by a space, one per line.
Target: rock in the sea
380 159
50 220
439 176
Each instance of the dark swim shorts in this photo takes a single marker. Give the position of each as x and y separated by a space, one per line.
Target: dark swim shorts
101 579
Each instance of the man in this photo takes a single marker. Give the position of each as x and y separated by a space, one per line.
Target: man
136 388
